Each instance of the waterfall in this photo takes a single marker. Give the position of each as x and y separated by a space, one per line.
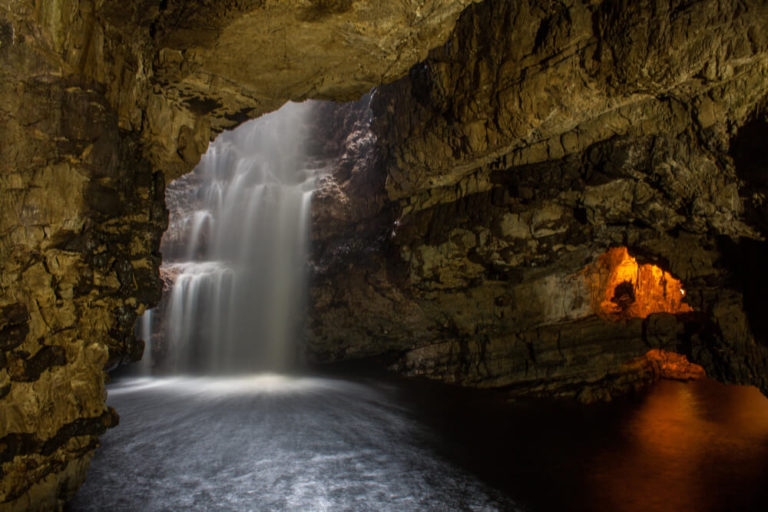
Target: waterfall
237 276
144 332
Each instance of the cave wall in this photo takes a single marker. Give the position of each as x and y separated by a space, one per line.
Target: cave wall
535 138
102 102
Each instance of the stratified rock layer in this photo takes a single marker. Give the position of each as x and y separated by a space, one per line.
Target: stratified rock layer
536 138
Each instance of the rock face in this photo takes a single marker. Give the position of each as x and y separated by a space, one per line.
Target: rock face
102 103
535 139
453 233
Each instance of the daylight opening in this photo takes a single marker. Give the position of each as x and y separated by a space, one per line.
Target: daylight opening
234 253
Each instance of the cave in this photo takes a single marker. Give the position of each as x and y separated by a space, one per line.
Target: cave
622 288
497 255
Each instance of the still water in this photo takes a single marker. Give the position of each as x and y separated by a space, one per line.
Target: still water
280 443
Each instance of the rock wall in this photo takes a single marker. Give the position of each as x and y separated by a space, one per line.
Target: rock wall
80 222
101 103
533 140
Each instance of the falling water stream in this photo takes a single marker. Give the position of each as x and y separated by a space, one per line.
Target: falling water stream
232 439
238 279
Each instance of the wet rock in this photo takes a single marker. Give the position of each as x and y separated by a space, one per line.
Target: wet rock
532 141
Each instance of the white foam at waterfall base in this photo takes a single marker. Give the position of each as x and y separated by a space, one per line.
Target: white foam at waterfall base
236 298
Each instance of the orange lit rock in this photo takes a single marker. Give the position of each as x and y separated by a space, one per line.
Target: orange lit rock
669 365
621 288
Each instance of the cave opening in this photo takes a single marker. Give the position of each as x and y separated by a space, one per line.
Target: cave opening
234 254
622 288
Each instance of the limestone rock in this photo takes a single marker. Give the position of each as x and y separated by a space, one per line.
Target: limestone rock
536 138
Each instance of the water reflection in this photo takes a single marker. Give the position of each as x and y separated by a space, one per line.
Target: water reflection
698 446
680 446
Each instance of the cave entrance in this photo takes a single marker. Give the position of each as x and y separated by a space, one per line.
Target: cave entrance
234 254
622 288
238 249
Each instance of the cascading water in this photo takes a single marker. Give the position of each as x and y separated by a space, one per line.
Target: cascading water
144 332
237 279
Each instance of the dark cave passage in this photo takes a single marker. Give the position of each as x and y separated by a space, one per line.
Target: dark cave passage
747 258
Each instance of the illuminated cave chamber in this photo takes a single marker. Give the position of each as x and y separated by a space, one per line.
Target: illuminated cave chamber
621 288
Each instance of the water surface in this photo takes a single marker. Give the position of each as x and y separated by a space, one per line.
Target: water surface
272 443
279 443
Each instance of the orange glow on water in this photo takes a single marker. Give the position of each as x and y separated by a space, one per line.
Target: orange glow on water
674 439
622 288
